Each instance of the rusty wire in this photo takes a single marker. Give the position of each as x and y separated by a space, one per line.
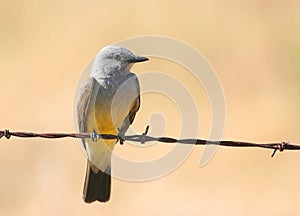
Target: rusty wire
143 138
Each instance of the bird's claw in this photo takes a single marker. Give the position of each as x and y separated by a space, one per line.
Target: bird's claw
121 137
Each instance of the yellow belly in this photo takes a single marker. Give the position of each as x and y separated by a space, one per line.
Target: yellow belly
102 124
105 115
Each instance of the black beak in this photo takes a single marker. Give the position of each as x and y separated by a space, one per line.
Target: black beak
138 59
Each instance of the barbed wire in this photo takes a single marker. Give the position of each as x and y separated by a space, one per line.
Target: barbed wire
143 138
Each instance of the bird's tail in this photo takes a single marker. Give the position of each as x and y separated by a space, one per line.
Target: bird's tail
96 185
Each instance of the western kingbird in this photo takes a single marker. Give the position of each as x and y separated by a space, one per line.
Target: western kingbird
108 102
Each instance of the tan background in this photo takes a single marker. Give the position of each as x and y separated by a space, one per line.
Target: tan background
254 47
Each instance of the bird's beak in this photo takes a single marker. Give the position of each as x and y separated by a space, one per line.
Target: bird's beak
138 59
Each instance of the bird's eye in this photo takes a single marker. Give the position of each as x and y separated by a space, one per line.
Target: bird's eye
117 57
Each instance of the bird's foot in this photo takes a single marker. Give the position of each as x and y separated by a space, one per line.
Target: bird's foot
121 137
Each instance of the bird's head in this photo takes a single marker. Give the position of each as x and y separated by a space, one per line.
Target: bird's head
113 60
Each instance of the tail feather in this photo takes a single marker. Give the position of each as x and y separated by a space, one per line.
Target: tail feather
96 185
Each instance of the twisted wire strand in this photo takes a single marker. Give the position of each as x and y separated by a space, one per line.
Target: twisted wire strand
143 138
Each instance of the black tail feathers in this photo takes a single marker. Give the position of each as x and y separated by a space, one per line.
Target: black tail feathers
97 185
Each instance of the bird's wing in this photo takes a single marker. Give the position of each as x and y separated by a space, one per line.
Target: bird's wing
135 105
86 97
134 109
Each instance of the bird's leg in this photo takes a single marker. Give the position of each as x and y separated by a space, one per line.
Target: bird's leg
121 136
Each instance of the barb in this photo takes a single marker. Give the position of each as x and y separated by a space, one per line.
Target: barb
143 138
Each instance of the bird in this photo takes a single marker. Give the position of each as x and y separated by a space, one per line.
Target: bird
107 104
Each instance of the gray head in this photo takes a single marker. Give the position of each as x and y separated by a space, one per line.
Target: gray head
113 60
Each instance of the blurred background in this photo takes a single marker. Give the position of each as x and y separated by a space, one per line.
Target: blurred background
253 46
